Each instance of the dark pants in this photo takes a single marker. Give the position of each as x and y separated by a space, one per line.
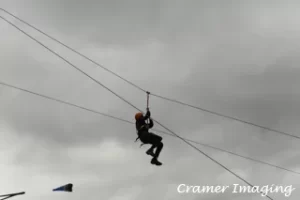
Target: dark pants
154 140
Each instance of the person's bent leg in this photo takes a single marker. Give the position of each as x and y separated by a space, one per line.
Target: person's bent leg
155 140
159 147
150 151
146 139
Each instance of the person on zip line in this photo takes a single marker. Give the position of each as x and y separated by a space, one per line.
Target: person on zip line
147 137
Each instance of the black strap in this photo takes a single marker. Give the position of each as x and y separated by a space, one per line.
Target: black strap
138 138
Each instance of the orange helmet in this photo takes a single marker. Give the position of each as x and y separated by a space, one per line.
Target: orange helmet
138 116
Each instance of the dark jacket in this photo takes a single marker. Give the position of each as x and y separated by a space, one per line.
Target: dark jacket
142 126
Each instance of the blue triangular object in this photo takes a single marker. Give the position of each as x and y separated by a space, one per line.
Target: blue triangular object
65 188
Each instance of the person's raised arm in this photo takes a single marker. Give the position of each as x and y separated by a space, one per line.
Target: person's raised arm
151 124
147 116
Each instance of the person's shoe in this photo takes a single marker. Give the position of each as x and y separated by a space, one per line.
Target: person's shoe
154 161
150 152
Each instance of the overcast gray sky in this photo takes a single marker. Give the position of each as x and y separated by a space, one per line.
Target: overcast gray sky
239 58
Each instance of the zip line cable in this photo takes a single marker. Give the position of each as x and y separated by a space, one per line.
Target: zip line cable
226 116
64 102
128 103
73 50
129 122
141 89
68 62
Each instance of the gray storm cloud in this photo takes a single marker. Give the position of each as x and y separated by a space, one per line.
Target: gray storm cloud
235 57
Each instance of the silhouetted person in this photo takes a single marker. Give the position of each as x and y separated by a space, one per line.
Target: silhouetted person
148 138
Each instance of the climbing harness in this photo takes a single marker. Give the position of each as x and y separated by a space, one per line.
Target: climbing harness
138 138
